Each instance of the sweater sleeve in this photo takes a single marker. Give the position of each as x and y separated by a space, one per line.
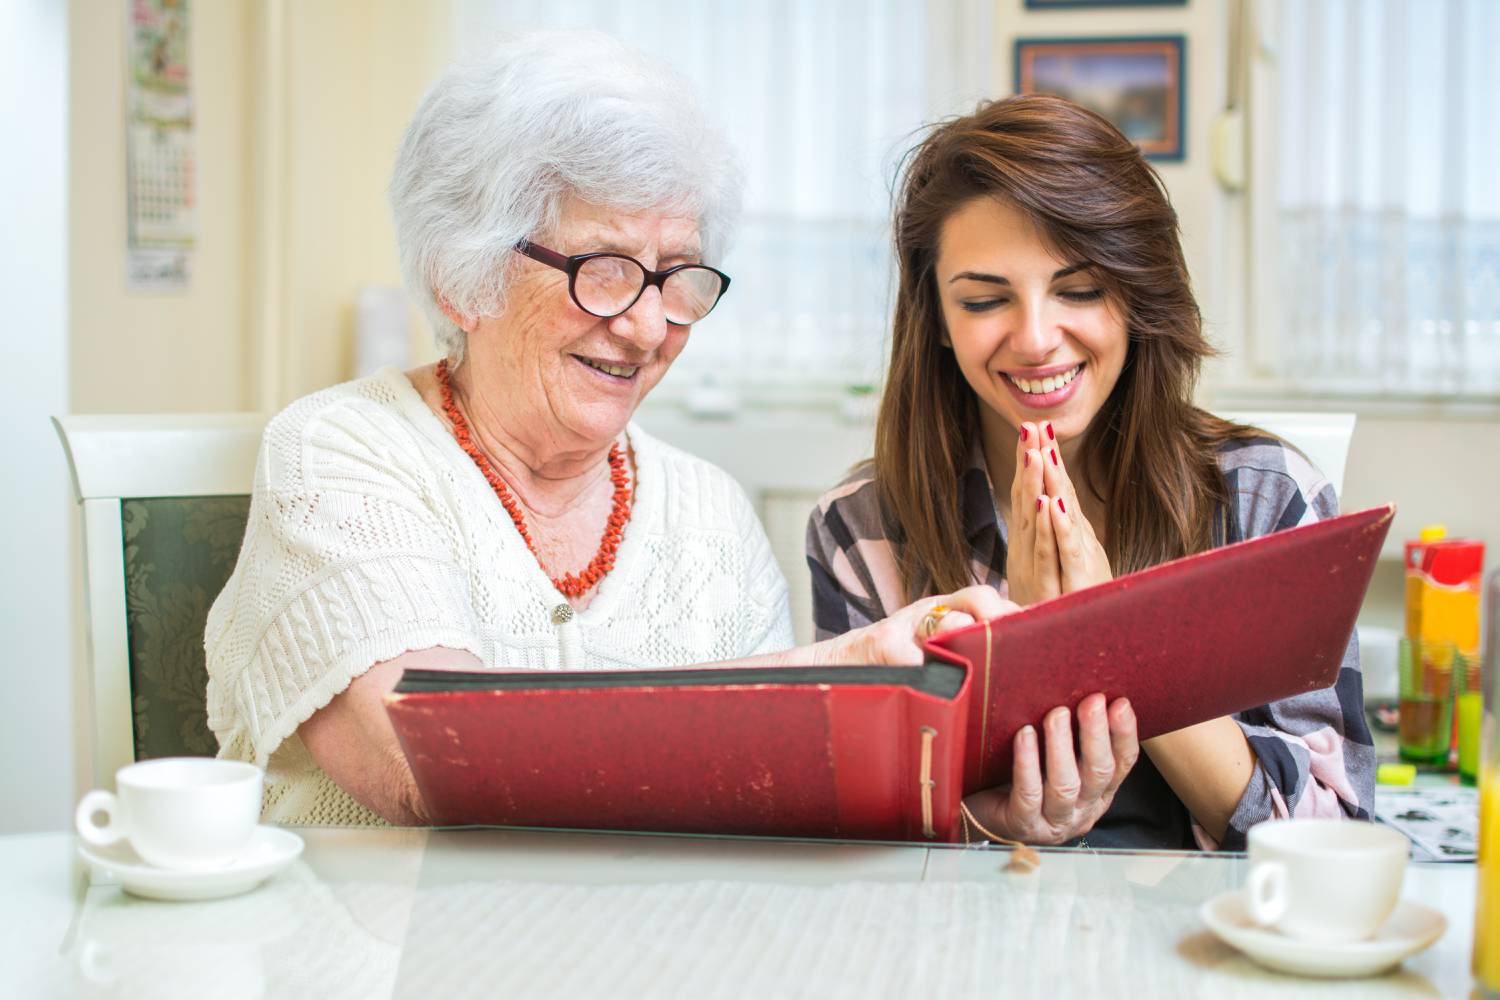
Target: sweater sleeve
349 559
1314 755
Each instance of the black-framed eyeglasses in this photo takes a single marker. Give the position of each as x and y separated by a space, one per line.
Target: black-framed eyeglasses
608 284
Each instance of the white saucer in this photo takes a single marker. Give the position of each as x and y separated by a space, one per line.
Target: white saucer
1410 928
270 850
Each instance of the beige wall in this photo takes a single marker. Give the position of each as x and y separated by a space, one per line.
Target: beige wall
300 108
355 72
135 351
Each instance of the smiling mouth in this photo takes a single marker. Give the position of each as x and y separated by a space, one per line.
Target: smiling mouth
624 372
1042 386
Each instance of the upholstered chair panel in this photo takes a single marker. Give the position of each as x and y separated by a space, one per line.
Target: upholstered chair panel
179 551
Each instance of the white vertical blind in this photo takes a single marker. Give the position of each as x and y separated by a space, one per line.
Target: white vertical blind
1389 195
819 99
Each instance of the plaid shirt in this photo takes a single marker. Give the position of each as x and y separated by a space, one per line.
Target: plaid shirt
1314 753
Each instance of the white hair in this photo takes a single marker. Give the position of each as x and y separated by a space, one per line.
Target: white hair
499 143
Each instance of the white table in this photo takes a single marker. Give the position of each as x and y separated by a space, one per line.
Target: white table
401 913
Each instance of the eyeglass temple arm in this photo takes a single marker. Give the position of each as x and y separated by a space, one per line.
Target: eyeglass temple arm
529 249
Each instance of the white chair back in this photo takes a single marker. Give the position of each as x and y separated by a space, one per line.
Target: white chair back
116 458
1323 437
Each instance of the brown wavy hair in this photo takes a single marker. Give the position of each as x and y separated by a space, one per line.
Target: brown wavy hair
1149 453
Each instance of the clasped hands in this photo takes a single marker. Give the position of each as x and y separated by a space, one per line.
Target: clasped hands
1052 549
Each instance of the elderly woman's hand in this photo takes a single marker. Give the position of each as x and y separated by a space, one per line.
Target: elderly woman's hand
1052 547
897 640
1078 788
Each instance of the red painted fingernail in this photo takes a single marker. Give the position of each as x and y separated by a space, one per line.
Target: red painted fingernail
1060 505
1024 432
1050 436
1054 456
1038 503
1028 460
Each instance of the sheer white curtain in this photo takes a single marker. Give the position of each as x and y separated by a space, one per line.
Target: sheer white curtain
820 99
1389 195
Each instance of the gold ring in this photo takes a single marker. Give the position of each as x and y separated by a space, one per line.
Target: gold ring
929 626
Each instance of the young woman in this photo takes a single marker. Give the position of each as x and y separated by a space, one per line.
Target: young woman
1038 434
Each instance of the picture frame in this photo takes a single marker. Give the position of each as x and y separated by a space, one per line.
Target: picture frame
1105 4
1138 83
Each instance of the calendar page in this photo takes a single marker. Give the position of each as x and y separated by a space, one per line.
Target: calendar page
159 146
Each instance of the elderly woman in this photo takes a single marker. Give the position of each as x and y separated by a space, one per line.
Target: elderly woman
557 206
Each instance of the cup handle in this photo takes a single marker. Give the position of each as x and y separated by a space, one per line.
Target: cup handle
99 801
1265 892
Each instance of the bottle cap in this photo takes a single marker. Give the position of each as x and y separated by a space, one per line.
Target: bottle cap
1433 533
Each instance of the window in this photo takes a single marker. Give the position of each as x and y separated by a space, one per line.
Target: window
820 99
1378 241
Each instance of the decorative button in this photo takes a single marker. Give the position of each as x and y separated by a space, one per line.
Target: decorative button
562 614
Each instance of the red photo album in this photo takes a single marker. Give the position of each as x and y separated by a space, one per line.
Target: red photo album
884 753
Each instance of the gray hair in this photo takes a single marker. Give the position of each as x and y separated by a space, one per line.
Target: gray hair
499 143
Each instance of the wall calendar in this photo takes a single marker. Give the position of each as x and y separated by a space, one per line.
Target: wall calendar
160 160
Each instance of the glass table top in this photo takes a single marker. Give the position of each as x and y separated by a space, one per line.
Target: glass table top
394 913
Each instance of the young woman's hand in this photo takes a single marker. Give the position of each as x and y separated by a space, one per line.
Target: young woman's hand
1078 788
897 640
1052 548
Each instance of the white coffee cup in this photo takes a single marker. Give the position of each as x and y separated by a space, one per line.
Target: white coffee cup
1324 879
177 812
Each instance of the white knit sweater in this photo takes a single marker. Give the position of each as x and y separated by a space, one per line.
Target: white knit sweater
372 533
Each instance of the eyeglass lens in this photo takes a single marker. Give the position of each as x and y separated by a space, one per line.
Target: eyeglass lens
607 286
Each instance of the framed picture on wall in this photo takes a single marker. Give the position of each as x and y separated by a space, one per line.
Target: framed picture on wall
1078 4
1137 83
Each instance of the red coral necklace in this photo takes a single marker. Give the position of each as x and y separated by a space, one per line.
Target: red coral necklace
604 560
